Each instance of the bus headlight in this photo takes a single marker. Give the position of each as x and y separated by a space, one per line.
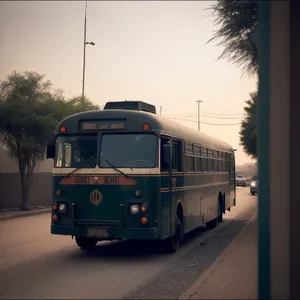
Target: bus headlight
134 209
62 207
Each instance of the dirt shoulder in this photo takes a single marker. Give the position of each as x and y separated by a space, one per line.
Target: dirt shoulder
234 274
6 214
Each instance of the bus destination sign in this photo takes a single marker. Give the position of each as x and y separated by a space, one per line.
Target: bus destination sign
102 125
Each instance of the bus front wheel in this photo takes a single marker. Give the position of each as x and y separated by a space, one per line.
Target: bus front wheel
84 243
172 243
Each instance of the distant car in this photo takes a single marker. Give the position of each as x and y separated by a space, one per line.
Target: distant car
240 180
254 185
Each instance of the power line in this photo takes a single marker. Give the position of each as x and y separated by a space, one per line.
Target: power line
92 10
211 117
207 123
224 114
214 115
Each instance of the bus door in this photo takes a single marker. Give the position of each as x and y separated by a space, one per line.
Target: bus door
170 154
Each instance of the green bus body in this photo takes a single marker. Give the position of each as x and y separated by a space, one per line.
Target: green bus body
97 198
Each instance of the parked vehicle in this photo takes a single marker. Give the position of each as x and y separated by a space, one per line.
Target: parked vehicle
241 180
254 185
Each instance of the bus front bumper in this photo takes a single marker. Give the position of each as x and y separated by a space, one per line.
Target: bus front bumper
115 233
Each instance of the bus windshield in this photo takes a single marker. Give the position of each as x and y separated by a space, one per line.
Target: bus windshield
75 151
129 150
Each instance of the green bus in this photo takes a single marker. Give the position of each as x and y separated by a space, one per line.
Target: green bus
126 173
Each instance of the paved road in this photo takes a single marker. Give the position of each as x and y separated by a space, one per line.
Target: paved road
35 264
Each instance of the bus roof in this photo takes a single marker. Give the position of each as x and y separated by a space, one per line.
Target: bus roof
157 123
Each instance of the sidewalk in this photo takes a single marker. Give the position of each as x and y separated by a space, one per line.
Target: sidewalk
17 213
234 274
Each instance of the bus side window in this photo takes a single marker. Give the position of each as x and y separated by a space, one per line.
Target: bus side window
177 156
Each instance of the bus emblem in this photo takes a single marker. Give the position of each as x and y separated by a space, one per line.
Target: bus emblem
96 197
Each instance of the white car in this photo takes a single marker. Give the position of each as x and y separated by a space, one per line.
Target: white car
240 180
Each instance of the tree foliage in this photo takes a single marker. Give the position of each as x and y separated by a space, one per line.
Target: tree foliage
248 133
237 20
29 113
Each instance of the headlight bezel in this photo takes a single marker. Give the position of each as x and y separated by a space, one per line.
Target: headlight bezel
62 207
132 211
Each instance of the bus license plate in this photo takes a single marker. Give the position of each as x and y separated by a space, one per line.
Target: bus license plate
98 232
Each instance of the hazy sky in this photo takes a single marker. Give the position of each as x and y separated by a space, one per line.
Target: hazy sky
152 51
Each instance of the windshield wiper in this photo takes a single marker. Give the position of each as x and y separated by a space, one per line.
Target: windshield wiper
117 169
82 165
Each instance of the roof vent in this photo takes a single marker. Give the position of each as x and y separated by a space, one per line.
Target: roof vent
131 105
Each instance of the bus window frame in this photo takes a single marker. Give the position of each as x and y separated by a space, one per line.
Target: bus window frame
189 154
72 150
179 142
101 134
180 153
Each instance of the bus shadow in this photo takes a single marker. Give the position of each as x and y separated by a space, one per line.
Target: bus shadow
132 249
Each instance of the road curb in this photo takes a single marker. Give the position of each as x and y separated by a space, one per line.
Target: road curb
25 214
195 287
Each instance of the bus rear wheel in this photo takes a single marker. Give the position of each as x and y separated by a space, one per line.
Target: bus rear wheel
212 224
84 243
221 204
171 244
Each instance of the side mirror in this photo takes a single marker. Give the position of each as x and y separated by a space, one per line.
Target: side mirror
167 153
50 152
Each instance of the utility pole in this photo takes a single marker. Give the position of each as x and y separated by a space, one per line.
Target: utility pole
84 47
199 101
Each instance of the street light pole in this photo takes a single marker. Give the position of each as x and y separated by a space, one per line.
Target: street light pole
84 47
199 101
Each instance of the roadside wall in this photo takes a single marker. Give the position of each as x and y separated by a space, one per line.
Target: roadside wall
10 187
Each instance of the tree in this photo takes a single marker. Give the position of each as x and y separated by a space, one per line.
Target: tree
248 133
58 107
23 125
237 21
29 113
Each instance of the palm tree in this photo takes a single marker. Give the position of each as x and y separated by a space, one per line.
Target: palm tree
237 21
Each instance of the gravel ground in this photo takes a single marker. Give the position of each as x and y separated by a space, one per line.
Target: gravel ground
173 282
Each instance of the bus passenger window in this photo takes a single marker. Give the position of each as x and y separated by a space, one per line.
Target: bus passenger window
198 165
177 157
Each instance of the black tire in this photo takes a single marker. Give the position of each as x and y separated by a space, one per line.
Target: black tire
171 244
220 217
84 243
252 193
212 224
